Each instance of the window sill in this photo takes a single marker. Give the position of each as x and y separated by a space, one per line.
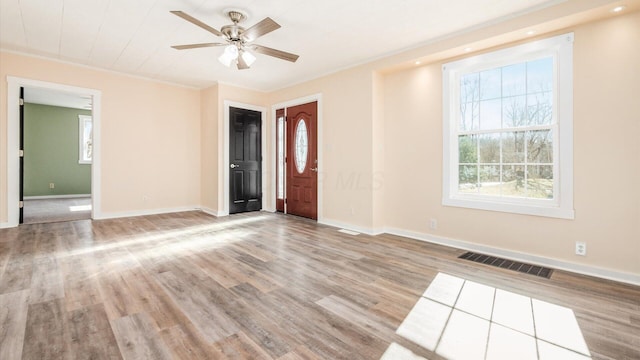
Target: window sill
523 209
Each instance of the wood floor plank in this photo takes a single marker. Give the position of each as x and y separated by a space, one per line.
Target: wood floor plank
115 294
152 298
13 321
46 335
194 299
239 346
16 276
19 265
46 280
80 278
300 353
90 334
185 342
137 338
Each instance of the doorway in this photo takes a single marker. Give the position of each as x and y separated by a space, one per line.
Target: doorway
297 160
56 143
13 146
245 160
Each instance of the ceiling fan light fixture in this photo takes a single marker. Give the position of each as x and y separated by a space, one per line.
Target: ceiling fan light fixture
248 57
229 55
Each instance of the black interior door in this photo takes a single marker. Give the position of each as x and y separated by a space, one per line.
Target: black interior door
245 157
21 196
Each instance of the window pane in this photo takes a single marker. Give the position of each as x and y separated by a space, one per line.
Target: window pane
490 179
513 147
540 108
468 178
469 116
540 181
469 101
280 194
514 111
489 148
539 146
513 180
490 114
468 149
490 84
514 80
301 146
470 88
540 75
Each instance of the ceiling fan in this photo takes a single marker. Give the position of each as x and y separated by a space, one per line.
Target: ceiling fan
238 40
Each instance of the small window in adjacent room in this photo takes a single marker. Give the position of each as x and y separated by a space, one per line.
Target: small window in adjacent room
507 119
85 141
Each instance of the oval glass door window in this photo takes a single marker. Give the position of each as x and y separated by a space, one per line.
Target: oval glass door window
301 146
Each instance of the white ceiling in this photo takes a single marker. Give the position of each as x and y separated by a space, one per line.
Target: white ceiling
43 96
134 36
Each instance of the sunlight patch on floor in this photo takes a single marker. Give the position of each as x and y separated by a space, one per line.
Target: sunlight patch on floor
462 319
76 208
174 242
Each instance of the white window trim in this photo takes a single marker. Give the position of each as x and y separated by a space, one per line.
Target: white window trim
561 48
81 120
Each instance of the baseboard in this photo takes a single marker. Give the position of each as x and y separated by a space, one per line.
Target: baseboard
210 211
602 273
7 225
360 229
44 197
116 215
224 213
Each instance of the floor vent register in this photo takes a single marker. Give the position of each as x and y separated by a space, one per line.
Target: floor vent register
508 264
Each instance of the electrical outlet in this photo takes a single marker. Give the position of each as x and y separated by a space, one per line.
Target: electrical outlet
52 186
433 224
581 248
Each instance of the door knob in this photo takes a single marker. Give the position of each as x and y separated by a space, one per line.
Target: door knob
314 169
233 166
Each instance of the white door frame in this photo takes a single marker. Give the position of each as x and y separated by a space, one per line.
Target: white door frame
285 105
223 168
13 142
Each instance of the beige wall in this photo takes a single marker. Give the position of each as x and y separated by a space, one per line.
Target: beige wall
606 158
209 144
150 135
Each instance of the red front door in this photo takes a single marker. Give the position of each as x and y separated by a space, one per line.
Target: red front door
302 161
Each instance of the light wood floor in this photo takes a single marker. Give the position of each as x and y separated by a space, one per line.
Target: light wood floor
254 286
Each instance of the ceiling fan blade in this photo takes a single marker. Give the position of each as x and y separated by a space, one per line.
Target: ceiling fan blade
263 27
273 52
242 64
195 46
197 22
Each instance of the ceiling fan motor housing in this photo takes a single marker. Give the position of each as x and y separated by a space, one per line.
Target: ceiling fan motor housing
234 32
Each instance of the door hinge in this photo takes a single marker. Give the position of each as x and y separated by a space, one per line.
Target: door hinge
21 102
21 204
21 153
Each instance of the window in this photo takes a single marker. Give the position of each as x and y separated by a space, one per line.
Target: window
301 146
85 141
508 130
280 191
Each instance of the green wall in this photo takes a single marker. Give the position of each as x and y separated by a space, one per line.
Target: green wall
51 152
